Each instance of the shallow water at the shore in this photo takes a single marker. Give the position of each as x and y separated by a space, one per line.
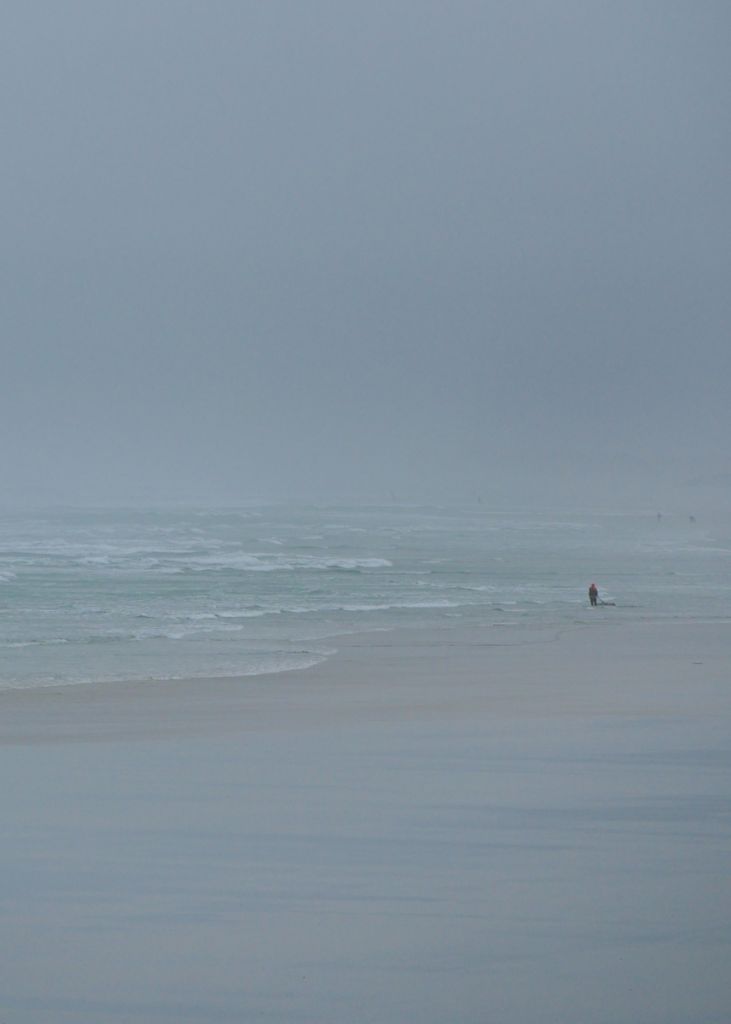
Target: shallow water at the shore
104 595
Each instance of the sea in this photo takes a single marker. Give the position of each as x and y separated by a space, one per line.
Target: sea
106 595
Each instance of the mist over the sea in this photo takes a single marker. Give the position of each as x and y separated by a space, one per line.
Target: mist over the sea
386 252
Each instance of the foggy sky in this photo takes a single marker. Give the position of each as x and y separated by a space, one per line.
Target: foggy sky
320 249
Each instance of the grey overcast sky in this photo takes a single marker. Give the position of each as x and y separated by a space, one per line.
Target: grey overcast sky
323 249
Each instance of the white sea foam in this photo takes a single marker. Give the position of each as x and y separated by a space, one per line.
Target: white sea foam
247 613
45 642
272 562
393 606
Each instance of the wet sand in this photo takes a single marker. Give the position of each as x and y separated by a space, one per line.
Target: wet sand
429 827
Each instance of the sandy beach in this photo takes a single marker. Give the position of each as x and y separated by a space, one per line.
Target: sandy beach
519 827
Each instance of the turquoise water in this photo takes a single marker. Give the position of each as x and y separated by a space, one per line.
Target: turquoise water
139 594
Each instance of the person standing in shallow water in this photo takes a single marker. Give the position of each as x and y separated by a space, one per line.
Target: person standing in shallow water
593 595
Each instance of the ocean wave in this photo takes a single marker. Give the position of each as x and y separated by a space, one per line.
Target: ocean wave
268 663
224 513
43 642
121 559
247 613
393 605
327 607
274 562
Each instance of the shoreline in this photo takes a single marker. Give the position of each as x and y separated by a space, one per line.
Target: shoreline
500 670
